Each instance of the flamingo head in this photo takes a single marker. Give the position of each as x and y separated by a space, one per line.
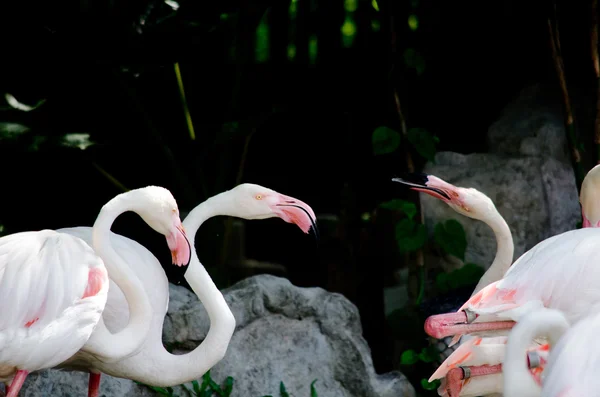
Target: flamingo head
588 197
159 210
466 201
257 202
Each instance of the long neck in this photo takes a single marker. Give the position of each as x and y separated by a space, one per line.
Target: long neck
504 251
194 364
103 343
517 378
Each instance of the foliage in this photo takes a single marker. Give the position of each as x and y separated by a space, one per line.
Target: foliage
414 60
385 140
427 355
451 237
423 141
210 388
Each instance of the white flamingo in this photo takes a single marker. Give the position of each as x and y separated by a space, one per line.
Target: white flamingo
153 364
573 363
474 204
54 286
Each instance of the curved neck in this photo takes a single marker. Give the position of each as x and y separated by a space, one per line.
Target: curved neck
194 364
518 381
504 251
103 343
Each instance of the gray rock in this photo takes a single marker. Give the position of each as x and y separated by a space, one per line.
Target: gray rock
536 196
57 383
290 334
284 333
531 125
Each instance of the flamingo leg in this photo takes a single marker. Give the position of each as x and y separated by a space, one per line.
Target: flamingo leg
440 326
456 376
94 384
17 383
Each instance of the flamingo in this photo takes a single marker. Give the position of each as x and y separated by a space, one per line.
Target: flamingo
573 362
588 198
54 286
153 364
473 204
590 216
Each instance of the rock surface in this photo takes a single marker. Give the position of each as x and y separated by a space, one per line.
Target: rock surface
284 333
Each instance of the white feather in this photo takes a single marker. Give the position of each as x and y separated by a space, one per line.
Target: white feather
43 277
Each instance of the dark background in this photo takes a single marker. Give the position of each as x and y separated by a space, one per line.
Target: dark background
106 68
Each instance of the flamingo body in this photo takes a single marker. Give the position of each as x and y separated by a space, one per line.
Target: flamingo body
53 288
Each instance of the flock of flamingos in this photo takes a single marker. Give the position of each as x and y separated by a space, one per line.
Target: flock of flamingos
528 329
88 299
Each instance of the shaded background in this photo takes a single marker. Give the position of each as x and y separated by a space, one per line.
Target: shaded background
284 94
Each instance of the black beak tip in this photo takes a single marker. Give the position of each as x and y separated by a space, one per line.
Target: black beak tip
190 248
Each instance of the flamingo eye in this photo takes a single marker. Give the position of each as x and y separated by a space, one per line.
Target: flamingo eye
258 197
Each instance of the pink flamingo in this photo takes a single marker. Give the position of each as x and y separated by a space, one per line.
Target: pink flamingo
54 286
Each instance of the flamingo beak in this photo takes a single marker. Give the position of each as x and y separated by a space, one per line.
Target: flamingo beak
179 245
299 213
429 184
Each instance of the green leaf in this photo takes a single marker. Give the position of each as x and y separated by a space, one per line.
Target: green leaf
205 381
429 354
159 390
430 386
196 387
228 386
414 60
313 391
452 238
215 387
409 357
385 140
408 208
81 141
441 282
11 131
410 236
471 273
13 102
423 142
282 391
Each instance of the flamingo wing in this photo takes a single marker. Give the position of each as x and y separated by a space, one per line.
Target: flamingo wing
560 272
53 288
